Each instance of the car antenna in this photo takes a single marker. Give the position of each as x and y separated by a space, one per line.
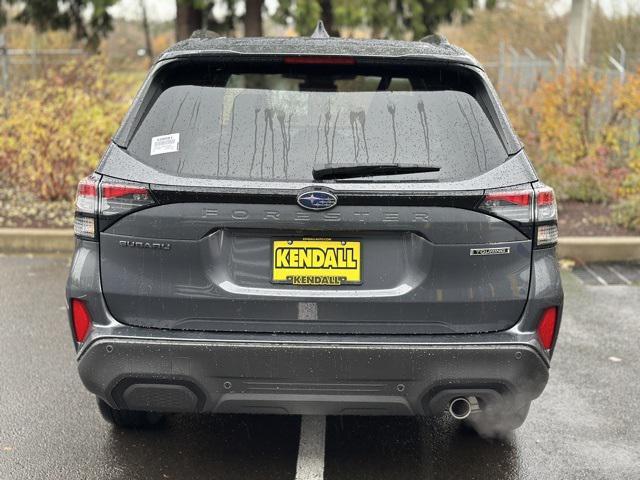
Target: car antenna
320 31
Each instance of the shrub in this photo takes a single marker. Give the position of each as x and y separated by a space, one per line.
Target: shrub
627 213
563 111
58 126
581 131
590 179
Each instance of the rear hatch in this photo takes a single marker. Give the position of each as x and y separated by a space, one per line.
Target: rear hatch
239 236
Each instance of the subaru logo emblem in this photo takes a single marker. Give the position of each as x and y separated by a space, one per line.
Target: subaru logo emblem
317 200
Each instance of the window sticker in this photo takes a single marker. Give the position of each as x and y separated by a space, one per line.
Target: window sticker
165 144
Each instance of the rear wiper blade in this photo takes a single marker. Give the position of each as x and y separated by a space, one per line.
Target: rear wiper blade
354 170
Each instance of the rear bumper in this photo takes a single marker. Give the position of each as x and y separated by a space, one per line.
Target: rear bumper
176 370
178 375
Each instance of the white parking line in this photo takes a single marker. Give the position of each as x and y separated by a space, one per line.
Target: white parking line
311 450
595 275
620 275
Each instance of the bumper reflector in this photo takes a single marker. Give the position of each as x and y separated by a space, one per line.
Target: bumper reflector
81 319
547 327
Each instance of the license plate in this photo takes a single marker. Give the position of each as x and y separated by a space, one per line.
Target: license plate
316 262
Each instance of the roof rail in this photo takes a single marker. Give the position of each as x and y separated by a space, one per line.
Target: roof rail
204 34
320 31
435 39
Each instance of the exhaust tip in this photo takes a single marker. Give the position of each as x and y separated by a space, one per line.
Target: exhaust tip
460 408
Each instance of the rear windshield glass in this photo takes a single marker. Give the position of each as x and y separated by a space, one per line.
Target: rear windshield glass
281 125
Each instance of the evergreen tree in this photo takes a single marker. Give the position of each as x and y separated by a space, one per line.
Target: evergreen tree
385 18
89 20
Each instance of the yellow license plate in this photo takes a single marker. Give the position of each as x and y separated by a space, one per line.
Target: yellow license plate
316 262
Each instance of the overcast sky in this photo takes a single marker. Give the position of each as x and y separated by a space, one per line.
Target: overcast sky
162 10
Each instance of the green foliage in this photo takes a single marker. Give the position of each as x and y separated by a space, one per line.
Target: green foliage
582 133
59 125
593 178
517 23
88 19
399 19
534 25
305 14
627 213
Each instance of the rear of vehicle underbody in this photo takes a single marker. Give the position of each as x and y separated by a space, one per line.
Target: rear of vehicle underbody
213 273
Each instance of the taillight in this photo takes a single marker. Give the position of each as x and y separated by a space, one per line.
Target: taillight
118 197
106 198
546 217
545 204
84 225
547 327
533 211
81 319
512 205
87 195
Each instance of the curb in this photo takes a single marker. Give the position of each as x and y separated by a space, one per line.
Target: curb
36 240
585 249
599 249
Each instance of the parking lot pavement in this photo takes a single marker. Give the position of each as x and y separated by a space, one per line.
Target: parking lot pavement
585 425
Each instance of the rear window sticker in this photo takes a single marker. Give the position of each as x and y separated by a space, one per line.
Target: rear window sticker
165 144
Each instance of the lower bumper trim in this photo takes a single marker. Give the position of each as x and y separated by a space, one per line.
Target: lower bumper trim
280 378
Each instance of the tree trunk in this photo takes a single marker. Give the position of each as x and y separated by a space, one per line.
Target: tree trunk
253 18
147 33
579 33
188 19
327 17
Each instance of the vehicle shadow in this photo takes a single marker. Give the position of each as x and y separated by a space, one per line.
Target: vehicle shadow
208 446
411 448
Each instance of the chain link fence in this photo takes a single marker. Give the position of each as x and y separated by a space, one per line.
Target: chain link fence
18 65
514 70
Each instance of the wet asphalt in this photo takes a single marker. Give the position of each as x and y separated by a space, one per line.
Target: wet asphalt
585 425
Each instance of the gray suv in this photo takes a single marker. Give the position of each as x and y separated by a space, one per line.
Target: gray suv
315 226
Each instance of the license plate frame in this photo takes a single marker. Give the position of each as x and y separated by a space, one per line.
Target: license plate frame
340 268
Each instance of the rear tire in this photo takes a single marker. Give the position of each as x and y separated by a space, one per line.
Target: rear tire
129 418
495 423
